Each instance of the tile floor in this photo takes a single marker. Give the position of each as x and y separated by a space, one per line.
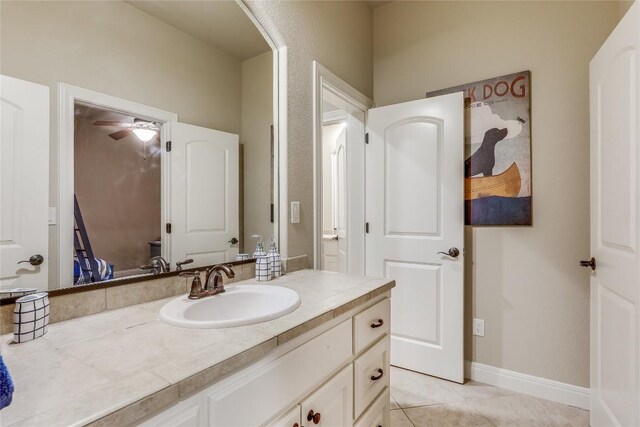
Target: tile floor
421 400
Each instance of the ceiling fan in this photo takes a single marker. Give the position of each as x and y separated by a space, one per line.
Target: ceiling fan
143 129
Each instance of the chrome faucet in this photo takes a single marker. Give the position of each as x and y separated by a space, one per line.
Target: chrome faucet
157 264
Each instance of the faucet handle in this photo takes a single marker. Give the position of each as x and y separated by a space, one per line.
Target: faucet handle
179 264
196 284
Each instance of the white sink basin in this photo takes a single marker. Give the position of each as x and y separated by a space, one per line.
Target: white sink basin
239 305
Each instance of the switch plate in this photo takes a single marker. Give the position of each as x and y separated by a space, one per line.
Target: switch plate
478 327
53 215
295 212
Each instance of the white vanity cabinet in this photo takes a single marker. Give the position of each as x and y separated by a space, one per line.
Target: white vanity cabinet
334 375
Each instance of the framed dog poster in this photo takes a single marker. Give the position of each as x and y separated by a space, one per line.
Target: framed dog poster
497 135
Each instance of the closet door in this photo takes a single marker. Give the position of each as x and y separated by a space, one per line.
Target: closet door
24 174
615 226
204 195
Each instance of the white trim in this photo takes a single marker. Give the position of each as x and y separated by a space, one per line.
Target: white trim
323 79
555 391
68 95
333 116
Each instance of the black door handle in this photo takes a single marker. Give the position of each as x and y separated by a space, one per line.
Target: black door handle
233 241
591 263
452 252
33 260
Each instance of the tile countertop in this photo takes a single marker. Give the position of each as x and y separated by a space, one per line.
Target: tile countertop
112 367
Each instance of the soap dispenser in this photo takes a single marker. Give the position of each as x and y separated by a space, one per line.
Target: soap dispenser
274 259
259 252
263 270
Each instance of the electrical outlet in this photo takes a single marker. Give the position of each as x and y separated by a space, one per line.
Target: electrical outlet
478 327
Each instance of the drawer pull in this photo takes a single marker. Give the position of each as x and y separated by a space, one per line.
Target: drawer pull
377 377
378 324
313 416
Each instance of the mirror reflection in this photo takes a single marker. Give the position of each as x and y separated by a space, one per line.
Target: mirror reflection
160 150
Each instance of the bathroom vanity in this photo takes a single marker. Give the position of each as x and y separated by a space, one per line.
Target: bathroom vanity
326 363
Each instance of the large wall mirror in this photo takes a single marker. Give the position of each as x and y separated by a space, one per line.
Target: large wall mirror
160 123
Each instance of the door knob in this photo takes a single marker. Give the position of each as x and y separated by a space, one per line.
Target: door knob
591 263
314 416
34 260
335 238
453 252
233 241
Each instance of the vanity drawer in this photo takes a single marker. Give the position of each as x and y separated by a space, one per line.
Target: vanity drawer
371 374
378 414
371 324
258 396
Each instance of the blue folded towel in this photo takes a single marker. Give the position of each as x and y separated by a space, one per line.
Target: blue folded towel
6 386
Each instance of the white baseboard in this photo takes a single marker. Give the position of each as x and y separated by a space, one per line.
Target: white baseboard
528 384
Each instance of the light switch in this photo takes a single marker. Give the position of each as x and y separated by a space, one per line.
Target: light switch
295 212
53 214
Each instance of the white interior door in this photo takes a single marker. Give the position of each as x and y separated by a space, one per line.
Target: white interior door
414 208
24 193
203 194
615 227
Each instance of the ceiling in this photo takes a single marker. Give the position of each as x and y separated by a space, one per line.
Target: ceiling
221 24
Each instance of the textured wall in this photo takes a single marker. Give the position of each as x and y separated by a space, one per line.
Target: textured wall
113 48
338 35
524 281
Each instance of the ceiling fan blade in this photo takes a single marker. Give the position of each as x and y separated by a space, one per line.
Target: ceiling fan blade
120 134
110 123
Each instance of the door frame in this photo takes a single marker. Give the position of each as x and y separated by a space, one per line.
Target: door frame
323 79
68 95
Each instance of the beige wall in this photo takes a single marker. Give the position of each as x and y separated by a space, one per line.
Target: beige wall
117 184
113 48
255 137
338 35
524 282
624 7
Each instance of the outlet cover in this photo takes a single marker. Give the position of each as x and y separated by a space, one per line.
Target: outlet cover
478 327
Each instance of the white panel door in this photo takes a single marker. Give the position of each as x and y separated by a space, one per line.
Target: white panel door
415 211
331 404
615 227
24 176
203 194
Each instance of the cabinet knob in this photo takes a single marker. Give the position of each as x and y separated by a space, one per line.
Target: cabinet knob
379 323
377 377
313 416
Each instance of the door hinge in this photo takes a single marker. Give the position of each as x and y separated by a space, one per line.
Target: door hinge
168 145
168 228
366 138
366 227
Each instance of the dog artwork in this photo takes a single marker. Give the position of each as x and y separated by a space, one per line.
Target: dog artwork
497 164
484 159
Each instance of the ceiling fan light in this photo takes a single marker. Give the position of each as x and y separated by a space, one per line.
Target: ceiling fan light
144 135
